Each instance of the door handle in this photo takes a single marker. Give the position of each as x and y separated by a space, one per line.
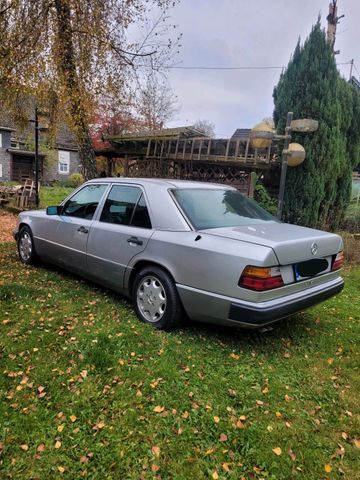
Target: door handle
135 240
83 229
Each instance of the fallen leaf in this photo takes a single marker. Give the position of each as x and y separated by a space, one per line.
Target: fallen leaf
234 356
73 418
61 469
259 402
24 447
216 419
265 390
223 437
328 468
185 414
239 424
57 444
225 466
84 459
357 443
159 409
287 398
278 414
344 435
277 451
232 392
155 450
60 428
291 455
41 447
215 475
242 418
41 389
286 355
155 468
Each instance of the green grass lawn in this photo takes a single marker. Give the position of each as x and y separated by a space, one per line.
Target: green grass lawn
53 195
89 391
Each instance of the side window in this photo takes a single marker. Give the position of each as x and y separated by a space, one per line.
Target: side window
84 203
120 204
141 215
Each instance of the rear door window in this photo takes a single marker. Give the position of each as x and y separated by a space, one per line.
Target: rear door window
125 205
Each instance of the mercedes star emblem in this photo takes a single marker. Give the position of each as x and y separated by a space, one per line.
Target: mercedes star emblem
314 248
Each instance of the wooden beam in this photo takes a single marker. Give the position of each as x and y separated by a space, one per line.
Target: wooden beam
177 147
209 147
247 148
192 148
148 148
200 148
237 148
227 149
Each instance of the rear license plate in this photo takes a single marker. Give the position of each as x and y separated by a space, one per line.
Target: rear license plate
311 268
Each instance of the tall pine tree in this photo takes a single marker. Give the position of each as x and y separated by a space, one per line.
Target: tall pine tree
318 191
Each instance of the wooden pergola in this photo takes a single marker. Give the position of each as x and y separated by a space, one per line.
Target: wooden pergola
187 153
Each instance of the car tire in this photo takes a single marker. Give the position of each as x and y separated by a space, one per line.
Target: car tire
156 299
26 247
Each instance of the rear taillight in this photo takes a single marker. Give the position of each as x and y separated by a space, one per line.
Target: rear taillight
338 262
260 279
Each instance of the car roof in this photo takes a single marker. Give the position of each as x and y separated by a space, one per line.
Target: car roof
163 182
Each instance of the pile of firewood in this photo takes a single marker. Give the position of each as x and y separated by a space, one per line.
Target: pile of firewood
7 193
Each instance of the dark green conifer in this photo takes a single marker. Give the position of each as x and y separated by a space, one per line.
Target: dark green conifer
318 191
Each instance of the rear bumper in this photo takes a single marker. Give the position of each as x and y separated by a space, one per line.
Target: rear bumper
213 308
262 316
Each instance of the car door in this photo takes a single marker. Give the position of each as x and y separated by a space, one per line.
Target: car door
67 234
122 230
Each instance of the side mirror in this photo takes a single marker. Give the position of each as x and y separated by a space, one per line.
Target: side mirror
53 210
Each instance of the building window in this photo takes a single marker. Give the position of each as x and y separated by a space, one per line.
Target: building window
64 162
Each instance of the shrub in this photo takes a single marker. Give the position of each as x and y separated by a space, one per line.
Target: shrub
75 180
263 198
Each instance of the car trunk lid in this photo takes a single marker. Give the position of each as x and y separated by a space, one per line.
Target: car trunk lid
290 243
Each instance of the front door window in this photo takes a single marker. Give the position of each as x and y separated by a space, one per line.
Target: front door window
84 203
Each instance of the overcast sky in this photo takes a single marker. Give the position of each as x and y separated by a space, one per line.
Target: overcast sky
233 33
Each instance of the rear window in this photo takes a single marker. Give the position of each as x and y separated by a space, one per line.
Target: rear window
215 208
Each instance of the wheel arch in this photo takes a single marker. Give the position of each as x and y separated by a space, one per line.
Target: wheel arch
141 264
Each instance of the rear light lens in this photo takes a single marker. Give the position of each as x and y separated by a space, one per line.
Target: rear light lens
260 279
338 262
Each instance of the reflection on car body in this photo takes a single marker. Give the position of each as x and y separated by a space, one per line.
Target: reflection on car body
178 247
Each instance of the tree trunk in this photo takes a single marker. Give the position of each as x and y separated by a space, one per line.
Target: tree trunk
66 66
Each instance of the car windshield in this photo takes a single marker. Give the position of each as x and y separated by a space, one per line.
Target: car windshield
215 208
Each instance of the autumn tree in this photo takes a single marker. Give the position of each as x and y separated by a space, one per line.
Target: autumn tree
68 53
205 126
318 191
156 103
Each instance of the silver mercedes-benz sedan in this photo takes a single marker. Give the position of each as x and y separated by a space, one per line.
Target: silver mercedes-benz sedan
178 247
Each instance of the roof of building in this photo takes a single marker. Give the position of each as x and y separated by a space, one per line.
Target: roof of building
241 134
182 132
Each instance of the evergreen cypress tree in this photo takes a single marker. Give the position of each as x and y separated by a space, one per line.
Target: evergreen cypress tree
318 191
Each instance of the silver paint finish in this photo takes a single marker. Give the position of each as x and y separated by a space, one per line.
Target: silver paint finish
205 269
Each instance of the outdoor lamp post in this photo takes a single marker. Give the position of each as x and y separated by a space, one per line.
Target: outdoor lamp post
293 154
37 129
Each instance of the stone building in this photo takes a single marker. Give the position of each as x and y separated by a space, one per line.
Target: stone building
17 160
